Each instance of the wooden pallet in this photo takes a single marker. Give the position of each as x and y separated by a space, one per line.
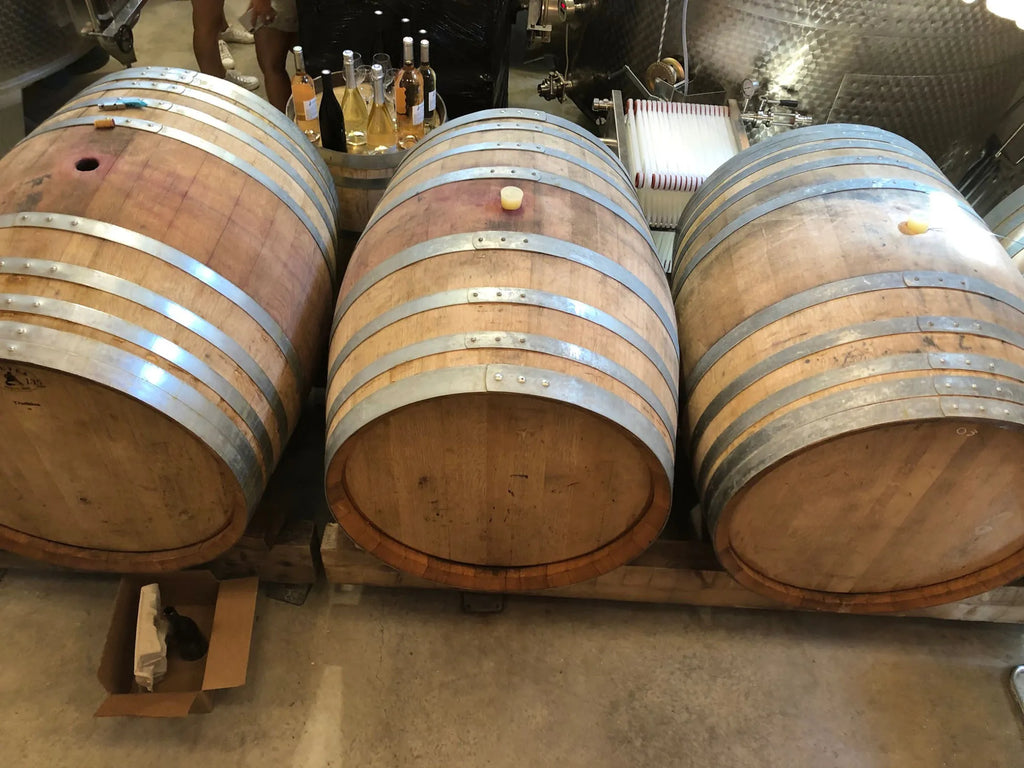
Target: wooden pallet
280 543
290 558
680 572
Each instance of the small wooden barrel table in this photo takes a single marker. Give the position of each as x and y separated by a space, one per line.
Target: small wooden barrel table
854 384
503 384
360 180
165 292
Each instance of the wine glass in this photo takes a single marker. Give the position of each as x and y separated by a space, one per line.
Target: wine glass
389 93
357 62
384 60
364 83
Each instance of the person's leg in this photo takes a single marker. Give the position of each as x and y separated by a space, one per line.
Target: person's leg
272 46
207 16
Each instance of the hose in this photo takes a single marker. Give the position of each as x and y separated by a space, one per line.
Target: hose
686 52
664 25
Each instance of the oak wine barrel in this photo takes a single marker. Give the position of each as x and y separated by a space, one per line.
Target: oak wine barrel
854 391
502 389
1007 222
165 293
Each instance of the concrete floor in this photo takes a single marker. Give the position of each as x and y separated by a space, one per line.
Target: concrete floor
404 679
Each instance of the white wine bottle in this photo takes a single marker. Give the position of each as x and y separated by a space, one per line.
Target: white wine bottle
353 106
381 136
430 116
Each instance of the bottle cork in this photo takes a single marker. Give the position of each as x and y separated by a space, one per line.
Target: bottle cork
511 198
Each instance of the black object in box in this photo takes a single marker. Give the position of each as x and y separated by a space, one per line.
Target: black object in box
224 612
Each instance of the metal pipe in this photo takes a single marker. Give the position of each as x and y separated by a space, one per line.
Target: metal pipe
999 152
93 18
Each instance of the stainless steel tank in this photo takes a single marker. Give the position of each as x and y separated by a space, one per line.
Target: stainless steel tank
939 72
37 38
40 37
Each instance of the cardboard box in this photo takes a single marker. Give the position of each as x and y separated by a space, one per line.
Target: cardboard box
224 611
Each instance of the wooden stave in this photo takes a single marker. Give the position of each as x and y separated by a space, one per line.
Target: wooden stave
274 166
903 599
293 369
507 578
345 298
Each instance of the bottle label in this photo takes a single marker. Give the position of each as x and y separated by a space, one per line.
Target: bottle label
309 110
417 114
431 101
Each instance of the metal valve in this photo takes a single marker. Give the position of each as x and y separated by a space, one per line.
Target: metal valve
773 112
567 8
554 86
110 23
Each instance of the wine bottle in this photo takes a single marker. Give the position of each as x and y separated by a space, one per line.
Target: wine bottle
408 99
381 135
332 119
353 107
304 98
185 636
430 116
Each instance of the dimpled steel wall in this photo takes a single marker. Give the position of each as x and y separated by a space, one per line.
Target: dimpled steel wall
938 72
37 37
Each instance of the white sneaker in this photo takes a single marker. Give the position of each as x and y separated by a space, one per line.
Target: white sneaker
225 55
235 34
248 82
